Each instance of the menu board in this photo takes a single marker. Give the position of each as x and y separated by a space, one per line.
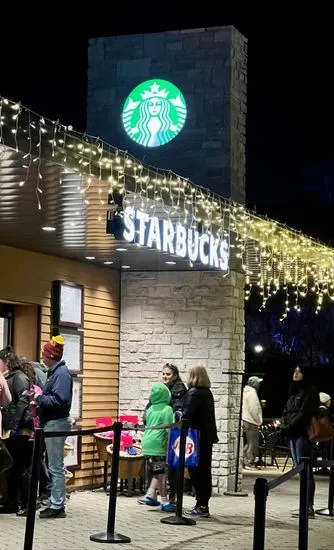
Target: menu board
72 457
70 305
72 350
75 411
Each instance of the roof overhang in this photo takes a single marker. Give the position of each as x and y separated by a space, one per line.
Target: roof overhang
50 175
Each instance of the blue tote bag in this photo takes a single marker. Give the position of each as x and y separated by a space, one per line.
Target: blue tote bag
192 448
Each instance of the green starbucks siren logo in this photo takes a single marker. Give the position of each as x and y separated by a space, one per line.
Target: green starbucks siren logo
154 113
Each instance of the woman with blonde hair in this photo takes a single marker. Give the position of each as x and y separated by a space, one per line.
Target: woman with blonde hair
199 410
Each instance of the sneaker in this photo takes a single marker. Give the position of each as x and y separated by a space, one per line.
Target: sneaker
49 513
199 512
44 500
250 466
311 513
23 512
168 507
149 501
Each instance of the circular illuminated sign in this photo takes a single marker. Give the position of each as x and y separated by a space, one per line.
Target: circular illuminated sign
154 113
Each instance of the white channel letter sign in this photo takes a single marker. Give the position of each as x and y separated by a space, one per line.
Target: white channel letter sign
175 239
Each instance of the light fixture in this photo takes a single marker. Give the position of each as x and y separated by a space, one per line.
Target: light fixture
48 228
90 257
121 249
170 263
258 348
125 266
109 262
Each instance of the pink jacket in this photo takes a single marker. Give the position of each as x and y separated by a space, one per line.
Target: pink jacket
5 396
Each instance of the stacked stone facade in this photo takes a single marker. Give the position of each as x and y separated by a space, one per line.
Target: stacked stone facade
190 319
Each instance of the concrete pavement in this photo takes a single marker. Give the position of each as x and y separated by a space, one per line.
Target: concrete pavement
231 526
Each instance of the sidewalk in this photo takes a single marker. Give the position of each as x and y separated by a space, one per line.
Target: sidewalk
231 526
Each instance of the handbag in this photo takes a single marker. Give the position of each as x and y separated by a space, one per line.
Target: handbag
192 448
320 429
6 461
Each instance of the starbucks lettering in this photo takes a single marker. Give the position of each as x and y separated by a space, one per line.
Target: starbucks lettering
176 239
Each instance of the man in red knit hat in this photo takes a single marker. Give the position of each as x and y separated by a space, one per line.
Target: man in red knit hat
54 409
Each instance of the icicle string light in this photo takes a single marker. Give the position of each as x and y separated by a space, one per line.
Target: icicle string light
270 254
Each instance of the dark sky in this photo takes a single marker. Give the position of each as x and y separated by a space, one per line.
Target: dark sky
290 160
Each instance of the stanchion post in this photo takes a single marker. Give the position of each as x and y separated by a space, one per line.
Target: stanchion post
304 504
110 536
260 494
179 519
31 512
331 492
329 510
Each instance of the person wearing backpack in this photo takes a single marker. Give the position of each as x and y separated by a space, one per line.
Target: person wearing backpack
17 427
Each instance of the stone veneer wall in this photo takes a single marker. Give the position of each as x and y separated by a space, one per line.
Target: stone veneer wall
189 318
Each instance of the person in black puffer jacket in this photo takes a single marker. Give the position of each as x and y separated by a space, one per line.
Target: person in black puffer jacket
199 410
171 377
302 405
17 422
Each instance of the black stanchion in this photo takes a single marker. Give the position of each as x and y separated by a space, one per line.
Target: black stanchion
329 510
31 512
261 494
110 536
303 504
179 519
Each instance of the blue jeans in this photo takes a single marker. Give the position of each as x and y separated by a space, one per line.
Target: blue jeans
302 448
55 451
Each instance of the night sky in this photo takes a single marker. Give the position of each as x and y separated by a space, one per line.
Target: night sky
290 161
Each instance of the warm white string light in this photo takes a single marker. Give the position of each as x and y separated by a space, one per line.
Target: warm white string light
270 254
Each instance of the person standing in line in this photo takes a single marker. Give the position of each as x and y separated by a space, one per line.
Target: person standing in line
172 379
54 407
5 395
252 420
302 405
325 447
44 487
18 429
155 445
199 410
325 404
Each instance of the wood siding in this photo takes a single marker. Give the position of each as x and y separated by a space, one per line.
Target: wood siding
26 277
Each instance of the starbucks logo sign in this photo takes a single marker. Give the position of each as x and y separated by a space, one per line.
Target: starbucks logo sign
154 113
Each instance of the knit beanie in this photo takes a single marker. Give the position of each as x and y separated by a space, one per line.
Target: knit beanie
324 398
54 349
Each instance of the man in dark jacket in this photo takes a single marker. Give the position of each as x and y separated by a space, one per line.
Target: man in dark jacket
54 409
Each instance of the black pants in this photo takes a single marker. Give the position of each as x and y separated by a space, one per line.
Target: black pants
18 477
201 475
172 481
